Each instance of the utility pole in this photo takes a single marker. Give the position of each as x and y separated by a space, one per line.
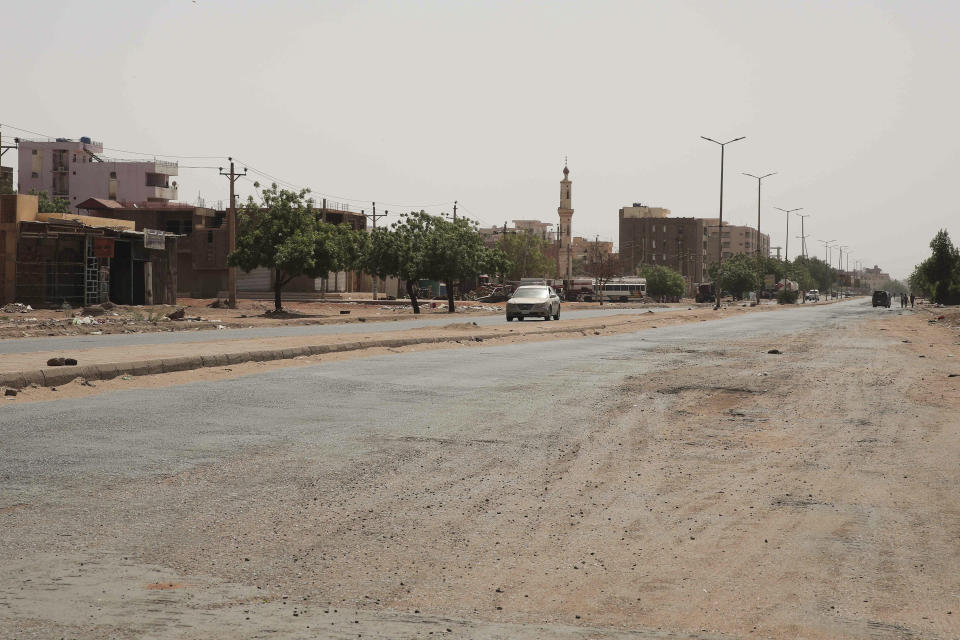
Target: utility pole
6 147
803 237
723 146
232 234
454 210
759 180
786 248
373 217
826 249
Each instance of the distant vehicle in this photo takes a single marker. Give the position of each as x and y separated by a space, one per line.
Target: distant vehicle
578 289
705 292
881 299
533 300
624 289
812 296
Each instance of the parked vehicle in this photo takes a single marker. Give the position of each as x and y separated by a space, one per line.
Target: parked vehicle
705 292
577 289
881 299
531 300
812 296
624 289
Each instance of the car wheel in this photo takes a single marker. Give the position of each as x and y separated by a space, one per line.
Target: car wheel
520 318
556 316
546 316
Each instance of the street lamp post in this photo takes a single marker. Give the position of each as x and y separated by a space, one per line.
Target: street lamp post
786 248
803 235
759 180
723 146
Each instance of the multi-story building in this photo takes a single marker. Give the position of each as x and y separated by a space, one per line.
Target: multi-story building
589 251
735 240
873 278
678 243
75 170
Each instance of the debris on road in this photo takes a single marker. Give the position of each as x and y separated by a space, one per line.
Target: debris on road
17 307
775 351
61 362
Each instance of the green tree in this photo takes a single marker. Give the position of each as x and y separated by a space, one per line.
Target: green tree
823 275
402 251
918 282
455 252
663 281
284 233
738 275
942 270
524 252
46 204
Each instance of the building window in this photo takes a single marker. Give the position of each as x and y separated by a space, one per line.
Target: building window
34 174
209 237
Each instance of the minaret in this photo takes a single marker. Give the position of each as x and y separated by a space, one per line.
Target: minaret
565 237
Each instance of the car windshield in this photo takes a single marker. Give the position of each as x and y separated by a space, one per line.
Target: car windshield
531 292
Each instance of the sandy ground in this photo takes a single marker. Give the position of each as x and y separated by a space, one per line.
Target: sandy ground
730 494
202 314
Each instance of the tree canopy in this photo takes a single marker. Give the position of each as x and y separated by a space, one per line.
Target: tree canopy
284 233
47 204
663 281
939 275
525 254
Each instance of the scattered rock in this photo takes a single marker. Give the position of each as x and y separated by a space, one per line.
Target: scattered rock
953 375
61 362
94 310
177 314
344 312
9 392
775 351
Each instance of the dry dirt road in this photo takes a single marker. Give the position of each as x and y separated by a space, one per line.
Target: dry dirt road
678 482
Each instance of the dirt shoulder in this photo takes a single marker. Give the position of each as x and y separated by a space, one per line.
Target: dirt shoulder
462 334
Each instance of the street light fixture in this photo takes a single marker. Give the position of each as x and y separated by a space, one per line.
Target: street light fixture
786 249
723 147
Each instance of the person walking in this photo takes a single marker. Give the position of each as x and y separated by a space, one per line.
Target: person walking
912 297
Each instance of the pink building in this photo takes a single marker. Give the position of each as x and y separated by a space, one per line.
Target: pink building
75 170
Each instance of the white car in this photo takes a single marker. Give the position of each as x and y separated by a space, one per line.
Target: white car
533 300
813 295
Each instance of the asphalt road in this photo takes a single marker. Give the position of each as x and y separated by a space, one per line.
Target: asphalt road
164 430
66 343
498 489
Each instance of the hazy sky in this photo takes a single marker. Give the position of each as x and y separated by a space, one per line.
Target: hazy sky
855 104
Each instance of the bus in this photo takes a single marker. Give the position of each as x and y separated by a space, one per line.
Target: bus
624 290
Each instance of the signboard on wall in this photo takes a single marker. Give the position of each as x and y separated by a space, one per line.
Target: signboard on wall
103 247
154 239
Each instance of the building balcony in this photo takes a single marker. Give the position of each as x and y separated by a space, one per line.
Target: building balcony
162 193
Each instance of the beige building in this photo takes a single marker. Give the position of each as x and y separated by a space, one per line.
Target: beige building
642 211
589 251
736 240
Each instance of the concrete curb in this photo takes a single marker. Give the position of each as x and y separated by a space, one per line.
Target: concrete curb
56 376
